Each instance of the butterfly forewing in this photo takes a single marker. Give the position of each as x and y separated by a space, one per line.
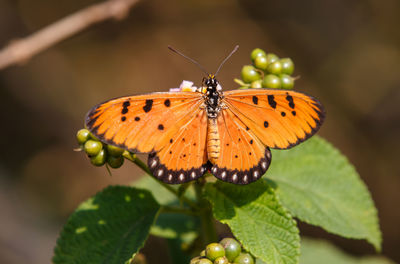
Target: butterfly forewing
278 118
137 123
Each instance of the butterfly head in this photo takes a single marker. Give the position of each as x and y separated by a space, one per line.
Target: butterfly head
210 83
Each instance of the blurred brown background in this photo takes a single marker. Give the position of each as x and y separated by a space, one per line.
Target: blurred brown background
347 53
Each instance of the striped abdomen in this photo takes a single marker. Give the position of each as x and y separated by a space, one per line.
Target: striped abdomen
213 142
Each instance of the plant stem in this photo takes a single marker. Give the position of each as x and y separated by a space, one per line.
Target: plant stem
142 165
178 210
209 233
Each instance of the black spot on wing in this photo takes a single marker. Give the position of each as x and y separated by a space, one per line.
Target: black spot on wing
148 105
255 99
162 173
289 98
167 103
125 106
271 101
243 176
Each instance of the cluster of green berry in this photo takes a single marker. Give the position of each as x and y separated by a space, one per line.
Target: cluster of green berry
227 251
267 71
98 152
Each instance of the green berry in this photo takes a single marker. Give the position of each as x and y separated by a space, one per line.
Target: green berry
287 66
82 136
115 162
214 251
195 260
256 84
287 82
114 151
271 57
232 248
204 261
221 260
275 67
203 253
255 53
272 81
250 74
244 258
99 159
261 62
92 147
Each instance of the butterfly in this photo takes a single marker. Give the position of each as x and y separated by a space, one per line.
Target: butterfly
228 133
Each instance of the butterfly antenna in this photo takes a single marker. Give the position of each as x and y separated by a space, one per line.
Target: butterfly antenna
227 57
192 60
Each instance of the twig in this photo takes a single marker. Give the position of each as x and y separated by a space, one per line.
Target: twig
178 210
209 232
20 51
142 165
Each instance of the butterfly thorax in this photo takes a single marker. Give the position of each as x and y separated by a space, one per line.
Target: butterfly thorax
212 97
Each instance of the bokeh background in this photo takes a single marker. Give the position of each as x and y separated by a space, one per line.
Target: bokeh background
347 53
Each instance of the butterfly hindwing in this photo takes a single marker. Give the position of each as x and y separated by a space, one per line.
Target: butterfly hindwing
183 155
137 123
243 158
278 118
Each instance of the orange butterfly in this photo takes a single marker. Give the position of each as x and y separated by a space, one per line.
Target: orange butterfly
189 133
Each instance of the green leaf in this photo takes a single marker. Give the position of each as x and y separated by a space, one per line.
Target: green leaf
173 225
256 219
170 225
319 251
108 228
319 186
162 195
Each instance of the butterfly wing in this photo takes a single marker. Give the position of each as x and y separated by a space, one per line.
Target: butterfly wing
278 118
243 157
183 156
136 123
162 124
